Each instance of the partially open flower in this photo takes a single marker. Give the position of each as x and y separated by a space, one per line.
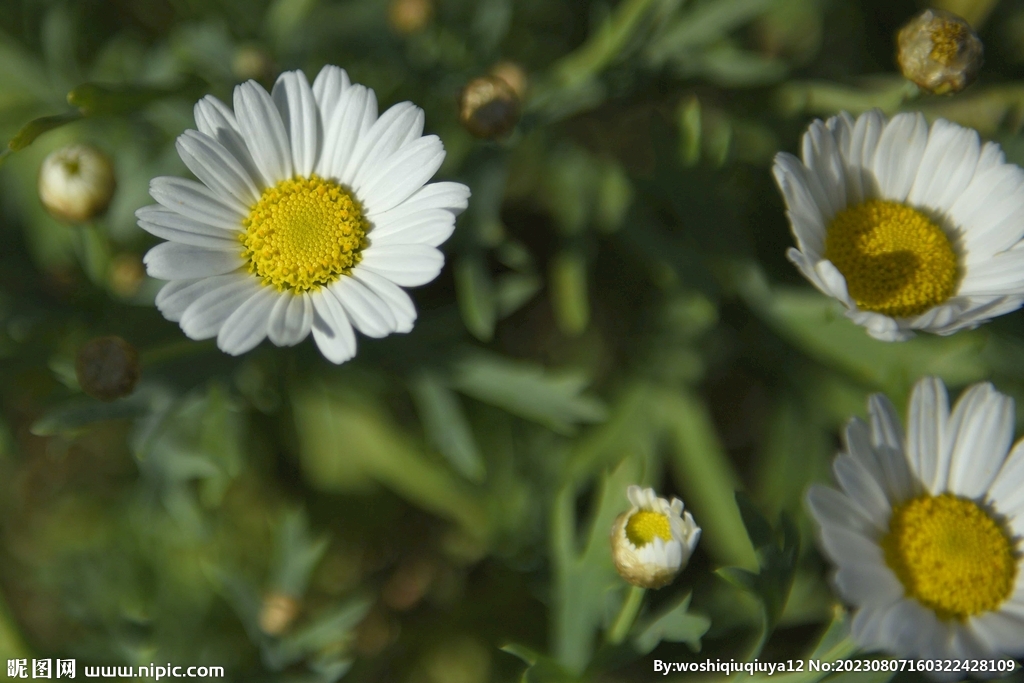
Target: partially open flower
939 52
76 183
653 541
489 107
107 368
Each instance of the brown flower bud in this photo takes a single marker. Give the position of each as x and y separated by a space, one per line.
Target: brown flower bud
76 183
488 107
939 52
277 613
409 16
107 368
513 74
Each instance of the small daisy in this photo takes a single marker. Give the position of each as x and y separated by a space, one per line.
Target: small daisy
912 227
652 542
926 527
310 215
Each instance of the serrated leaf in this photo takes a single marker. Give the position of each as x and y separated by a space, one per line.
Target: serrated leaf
528 391
674 625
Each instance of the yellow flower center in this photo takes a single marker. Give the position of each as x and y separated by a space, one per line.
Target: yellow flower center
896 261
948 40
644 526
304 233
951 555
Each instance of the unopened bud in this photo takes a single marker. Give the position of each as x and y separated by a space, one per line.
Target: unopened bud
107 368
513 74
653 541
939 52
76 183
409 16
277 613
488 107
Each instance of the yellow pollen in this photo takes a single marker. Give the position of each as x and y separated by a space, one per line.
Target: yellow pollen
948 41
644 526
304 233
896 261
950 555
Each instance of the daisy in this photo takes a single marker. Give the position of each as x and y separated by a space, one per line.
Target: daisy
912 227
925 529
310 214
653 541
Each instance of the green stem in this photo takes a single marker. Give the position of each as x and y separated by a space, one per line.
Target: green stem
627 615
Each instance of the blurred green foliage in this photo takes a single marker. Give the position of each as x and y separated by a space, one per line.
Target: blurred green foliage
617 309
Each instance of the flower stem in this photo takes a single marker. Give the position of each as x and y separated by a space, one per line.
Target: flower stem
627 615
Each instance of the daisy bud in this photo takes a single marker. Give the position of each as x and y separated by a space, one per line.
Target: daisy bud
513 74
277 613
939 52
76 183
653 541
488 107
107 368
409 16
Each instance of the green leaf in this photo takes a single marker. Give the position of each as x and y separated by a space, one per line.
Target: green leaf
514 290
296 554
569 295
674 625
331 629
446 425
475 291
555 400
93 99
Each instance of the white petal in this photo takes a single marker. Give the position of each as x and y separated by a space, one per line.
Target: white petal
264 132
247 326
1007 491
218 169
445 195
205 316
980 430
291 319
355 113
407 265
368 313
863 490
831 507
868 584
332 331
171 225
327 88
401 306
990 211
899 153
174 297
807 216
888 439
431 227
928 451
196 201
301 118
862 183
905 627
174 261
393 181
999 274
821 156
1003 633
947 166
214 118
382 140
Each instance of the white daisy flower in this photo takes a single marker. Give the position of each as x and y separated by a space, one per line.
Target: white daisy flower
912 227
653 541
310 215
925 529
